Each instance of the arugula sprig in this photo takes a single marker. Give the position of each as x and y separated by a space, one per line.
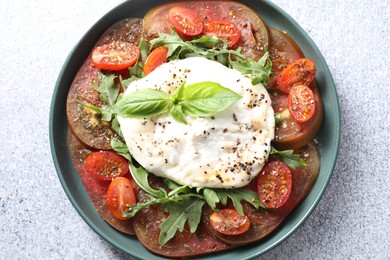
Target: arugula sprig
199 99
214 48
292 160
183 203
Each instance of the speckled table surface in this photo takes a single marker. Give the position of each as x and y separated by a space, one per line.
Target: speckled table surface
352 221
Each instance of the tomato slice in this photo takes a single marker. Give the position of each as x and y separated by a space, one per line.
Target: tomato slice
300 72
301 103
185 21
116 55
120 196
223 29
157 57
106 165
229 222
274 184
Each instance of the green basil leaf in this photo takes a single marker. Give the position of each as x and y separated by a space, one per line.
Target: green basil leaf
178 114
207 99
143 103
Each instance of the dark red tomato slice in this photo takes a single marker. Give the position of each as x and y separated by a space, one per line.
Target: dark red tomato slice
116 55
274 184
223 29
300 72
157 57
301 103
106 165
185 21
120 196
229 222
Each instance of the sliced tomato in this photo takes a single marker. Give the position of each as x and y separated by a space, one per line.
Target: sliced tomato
116 55
120 196
301 103
157 57
185 21
223 29
106 165
229 222
274 184
300 72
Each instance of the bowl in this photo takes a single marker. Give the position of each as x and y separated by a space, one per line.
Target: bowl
328 137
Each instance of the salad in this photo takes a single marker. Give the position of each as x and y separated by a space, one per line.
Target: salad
193 127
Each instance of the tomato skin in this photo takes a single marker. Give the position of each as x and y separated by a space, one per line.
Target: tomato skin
300 72
301 103
274 184
185 21
229 222
120 195
116 55
157 57
223 29
106 165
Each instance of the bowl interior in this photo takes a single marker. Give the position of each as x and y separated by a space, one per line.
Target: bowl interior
328 137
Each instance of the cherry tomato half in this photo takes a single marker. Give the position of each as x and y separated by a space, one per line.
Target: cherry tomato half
301 103
300 72
225 30
116 55
185 21
229 222
106 165
274 184
120 196
157 57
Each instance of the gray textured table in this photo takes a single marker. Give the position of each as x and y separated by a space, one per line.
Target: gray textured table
352 221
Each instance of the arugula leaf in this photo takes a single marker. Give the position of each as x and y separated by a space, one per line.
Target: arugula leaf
260 71
140 176
143 103
207 99
211 198
189 209
121 148
292 160
237 195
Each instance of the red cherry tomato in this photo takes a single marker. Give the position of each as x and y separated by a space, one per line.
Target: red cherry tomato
116 55
301 103
274 184
225 30
106 165
300 72
229 222
157 57
185 21
120 196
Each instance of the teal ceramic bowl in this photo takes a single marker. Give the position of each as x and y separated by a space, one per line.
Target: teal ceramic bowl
328 137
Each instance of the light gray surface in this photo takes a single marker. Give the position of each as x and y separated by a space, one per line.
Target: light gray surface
352 221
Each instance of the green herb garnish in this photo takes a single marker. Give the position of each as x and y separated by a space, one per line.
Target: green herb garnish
199 99
292 160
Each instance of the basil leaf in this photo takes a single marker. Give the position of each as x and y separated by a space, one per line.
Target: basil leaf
292 160
178 114
189 209
207 99
143 103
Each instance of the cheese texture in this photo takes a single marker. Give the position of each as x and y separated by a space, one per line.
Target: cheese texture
223 151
